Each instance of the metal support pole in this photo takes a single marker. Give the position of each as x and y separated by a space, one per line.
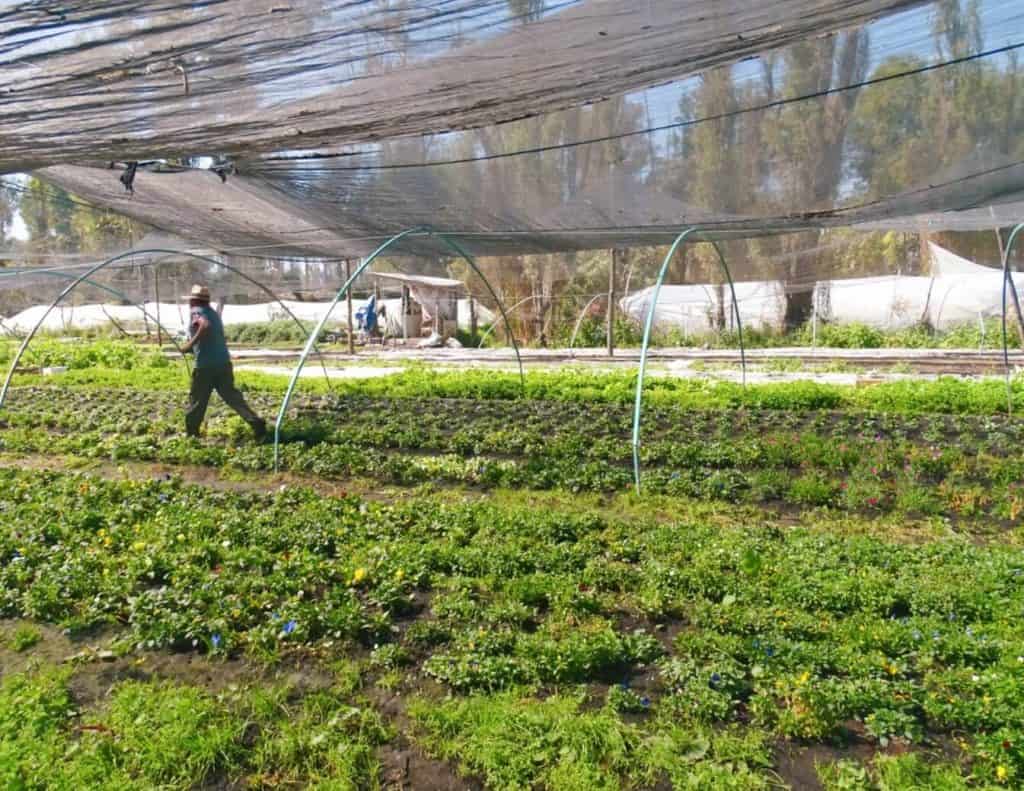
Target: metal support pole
348 303
648 324
610 332
1008 283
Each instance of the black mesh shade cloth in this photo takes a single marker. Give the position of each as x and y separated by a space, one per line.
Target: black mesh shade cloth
522 126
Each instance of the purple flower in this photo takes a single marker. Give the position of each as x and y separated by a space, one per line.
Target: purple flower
289 627
216 641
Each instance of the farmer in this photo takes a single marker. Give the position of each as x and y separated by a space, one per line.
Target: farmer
213 367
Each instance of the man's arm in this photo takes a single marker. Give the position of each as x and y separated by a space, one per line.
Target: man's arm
202 327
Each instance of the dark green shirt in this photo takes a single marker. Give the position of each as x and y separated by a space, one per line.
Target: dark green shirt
212 350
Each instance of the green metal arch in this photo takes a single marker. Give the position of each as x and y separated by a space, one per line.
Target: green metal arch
170 253
648 324
86 276
1007 280
504 315
114 292
511 310
453 245
579 322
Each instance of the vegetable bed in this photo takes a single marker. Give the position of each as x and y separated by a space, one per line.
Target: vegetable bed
803 597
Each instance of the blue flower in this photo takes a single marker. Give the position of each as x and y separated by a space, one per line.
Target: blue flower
216 641
645 702
289 627
769 651
716 680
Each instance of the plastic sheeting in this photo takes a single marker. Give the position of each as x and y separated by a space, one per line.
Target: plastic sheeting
958 292
522 127
694 309
174 317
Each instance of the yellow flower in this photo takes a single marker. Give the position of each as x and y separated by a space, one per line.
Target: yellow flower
359 576
805 677
181 536
1001 772
399 574
140 545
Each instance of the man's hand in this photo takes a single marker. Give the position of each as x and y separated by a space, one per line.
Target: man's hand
200 327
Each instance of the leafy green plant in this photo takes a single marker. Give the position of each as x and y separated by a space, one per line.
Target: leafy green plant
24 637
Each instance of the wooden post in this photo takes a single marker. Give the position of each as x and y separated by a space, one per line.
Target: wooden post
472 319
611 304
348 301
156 289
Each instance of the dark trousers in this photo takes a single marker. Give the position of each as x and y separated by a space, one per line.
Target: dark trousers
222 379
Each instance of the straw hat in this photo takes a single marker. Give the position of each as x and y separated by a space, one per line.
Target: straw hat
201 293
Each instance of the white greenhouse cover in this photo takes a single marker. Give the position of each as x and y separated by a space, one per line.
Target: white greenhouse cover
959 291
693 308
174 317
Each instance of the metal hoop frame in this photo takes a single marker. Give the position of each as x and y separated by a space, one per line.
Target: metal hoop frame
649 323
511 310
124 298
1007 281
579 321
421 230
87 277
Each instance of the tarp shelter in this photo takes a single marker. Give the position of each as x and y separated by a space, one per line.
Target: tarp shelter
431 299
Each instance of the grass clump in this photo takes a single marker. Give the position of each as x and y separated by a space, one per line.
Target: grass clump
24 637
175 736
515 740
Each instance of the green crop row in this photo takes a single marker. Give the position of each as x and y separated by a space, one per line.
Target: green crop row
955 466
712 640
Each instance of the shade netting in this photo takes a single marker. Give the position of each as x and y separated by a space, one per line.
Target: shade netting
320 129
